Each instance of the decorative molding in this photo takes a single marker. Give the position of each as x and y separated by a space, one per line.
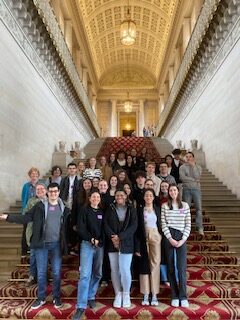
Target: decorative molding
130 78
213 53
33 39
199 31
49 19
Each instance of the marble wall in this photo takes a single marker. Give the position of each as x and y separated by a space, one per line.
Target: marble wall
32 120
214 121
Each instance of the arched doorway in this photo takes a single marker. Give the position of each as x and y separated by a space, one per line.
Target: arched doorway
127 123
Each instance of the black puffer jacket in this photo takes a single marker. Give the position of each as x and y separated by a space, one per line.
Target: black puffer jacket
37 215
125 231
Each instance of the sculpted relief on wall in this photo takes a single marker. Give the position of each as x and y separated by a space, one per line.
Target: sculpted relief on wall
127 78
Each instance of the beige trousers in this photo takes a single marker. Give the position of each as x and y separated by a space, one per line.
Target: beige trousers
151 282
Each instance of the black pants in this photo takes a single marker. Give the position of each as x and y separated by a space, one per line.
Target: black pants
179 291
24 241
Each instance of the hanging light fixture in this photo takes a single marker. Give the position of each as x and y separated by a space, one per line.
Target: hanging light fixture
128 30
128 104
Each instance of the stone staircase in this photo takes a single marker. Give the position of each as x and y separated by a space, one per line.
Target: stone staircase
162 145
223 208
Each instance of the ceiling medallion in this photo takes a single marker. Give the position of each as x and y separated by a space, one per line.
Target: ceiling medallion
128 31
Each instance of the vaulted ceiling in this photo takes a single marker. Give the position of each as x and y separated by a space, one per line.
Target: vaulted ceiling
119 65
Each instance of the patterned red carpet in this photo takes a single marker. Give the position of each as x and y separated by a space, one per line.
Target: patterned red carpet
213 289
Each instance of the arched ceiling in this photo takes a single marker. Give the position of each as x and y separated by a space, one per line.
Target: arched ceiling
101 20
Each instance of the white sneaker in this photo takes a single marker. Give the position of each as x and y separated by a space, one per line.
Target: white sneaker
154 302
126 300
184 303
145 301
117 303
175 303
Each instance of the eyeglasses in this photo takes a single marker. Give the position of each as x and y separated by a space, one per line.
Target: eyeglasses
53 191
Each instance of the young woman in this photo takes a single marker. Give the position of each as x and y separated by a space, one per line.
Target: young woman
113 184
81 200
56 175
90 230
127 188
176 226
120 224
92 171
28 192
130 168
163 195
148 248
122 178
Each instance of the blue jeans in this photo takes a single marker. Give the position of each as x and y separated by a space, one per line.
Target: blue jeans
91 260
33 264
195 196
121 271
42 265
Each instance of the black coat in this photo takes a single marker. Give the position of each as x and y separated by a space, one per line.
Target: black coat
125 231
90 225
37 215
64 188
140 240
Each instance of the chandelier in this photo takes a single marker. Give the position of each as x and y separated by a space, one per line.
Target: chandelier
128 105
128 30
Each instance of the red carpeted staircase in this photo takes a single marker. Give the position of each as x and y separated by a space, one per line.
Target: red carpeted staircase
213 288
213 272
113 145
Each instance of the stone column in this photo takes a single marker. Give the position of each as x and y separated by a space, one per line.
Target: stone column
68 34
85 79
114 119
141 119
186 33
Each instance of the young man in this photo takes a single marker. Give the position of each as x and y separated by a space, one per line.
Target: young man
190 174
138 189
69 185
49 219
163 175
151 166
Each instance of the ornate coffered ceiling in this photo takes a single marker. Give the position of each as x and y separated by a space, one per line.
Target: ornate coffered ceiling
101 21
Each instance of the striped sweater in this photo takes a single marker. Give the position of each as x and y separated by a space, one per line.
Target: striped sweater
179 219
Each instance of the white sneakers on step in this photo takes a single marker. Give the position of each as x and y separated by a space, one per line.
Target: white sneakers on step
122 299
117 303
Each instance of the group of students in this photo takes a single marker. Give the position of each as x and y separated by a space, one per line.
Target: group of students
140 216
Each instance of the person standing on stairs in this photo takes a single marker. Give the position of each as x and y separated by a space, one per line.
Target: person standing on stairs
148 248
49 237
28 192
190 174
120 224
176 226
91 232
41 195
